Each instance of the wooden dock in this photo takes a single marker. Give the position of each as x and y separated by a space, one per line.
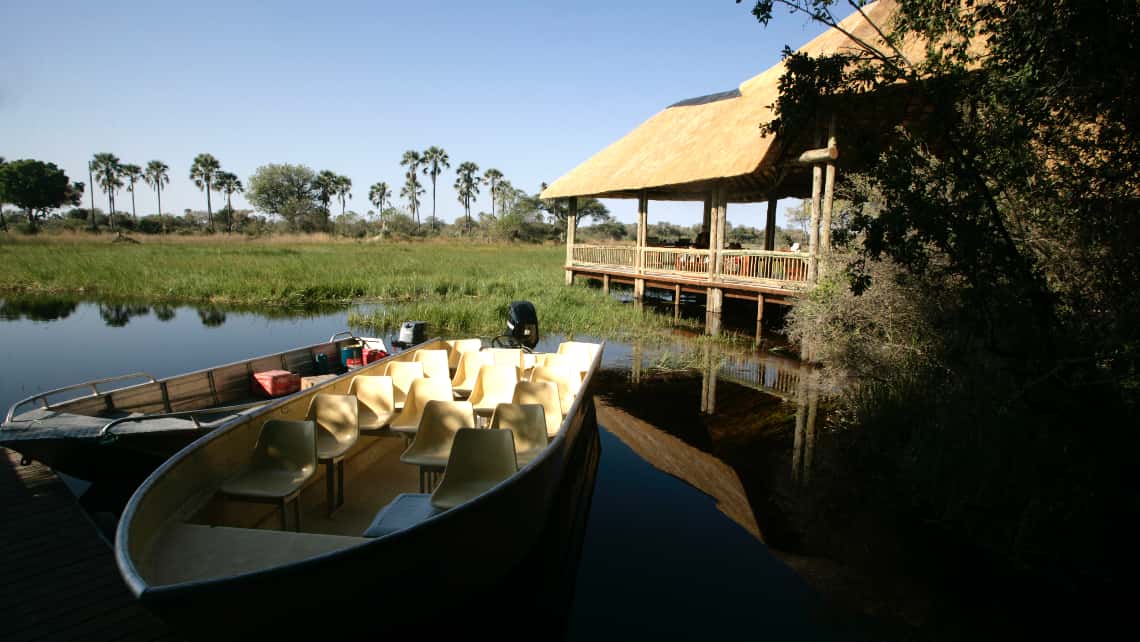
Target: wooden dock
60 579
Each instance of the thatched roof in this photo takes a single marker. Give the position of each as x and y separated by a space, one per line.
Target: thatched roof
680 152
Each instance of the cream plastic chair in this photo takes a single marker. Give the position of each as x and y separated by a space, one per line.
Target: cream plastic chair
581 353
337 431
403 373
432 444
479 461
423 391
434 363
544 394
376 403
457 347
284 458
568 381
494 385
506 356
528 422
467 371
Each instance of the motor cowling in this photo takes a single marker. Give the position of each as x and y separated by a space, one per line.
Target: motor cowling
522 323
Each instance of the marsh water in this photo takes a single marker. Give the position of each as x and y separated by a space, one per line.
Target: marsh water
684 507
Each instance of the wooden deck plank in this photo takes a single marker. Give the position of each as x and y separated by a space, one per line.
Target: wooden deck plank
61 582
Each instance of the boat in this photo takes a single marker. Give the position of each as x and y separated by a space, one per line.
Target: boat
119 431
374 553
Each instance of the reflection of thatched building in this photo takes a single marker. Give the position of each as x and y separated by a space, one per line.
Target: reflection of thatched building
711 149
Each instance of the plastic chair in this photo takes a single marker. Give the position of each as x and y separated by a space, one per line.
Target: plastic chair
494 385
403 373
528 423
434 363
568 381
377 404
432 444
457 347
423 391
479 461
506 356
467 371
337 431
284 458
544 394
581 353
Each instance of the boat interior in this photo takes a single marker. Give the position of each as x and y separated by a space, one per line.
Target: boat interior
359 456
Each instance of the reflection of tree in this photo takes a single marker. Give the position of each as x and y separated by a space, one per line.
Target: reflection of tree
164 312
48 309
118 315
212 317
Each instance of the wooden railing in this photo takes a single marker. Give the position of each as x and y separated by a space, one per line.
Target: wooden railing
612 256
676 261
787 270
784 268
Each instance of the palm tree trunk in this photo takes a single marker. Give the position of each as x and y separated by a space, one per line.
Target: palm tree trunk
492 199
433 218
158 190
134 214
209 211
111 205
91 186
229 212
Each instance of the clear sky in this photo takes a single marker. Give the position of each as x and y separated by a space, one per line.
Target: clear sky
531 88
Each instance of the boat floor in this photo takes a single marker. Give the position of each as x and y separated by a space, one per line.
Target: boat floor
42 423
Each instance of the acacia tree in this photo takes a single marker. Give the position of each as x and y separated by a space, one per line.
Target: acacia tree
228 183
133 174
37 188
107 172
492 177
204 172
588 208
377 194
412 160
435 161
467 187
157 175
288 191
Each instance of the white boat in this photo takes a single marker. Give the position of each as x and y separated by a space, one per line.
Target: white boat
214 567
125 432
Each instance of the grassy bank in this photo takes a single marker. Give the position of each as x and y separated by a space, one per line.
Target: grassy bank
457 288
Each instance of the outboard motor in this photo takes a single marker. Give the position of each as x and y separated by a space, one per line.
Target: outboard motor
412 332
522 323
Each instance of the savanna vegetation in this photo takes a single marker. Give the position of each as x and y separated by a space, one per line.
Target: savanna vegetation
983 299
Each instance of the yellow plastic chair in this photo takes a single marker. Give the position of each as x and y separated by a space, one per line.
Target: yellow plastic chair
528 422
468 371
403 373
434 363
284 458
423 391
544 394
457 347
337 431
568 381
581 353
377 404
506 356
479 461
432 444
494 385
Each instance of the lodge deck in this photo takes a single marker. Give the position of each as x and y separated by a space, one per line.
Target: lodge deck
60 579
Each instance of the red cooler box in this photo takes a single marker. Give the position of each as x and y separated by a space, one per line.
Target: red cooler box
275 383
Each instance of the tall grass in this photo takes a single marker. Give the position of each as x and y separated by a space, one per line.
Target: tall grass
456 287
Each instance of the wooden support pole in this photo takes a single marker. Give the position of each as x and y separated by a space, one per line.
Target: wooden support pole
813 226
828 199
606 284
676 302
759 318
714 303
721 222
571 228
706 217
770 225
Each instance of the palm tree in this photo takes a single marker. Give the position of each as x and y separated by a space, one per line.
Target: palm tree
342 189
228 183
325 182
3 223
412 161
435 160
107 173
377 194
204 172
157 175
467 186
133 174
492 177
412 191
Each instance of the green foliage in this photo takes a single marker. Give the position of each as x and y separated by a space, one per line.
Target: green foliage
36 187
288 191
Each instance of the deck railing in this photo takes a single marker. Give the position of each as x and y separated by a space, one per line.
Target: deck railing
788 270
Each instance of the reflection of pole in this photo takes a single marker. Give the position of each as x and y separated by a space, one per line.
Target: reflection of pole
714 362
809 447
708 381
705 381
635 371
801 416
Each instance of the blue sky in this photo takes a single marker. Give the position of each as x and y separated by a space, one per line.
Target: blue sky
531 88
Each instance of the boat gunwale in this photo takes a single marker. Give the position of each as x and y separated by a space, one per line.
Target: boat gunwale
140 587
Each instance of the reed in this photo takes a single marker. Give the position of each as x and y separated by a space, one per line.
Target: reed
456 287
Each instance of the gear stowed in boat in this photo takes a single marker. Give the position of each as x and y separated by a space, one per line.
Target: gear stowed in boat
125 432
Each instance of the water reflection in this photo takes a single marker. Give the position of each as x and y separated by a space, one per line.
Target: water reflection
37 308
117 315
164 313
212 317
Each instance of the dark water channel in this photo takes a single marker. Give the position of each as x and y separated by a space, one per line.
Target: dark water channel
685 506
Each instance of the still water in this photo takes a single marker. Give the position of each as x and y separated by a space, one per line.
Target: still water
674 544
